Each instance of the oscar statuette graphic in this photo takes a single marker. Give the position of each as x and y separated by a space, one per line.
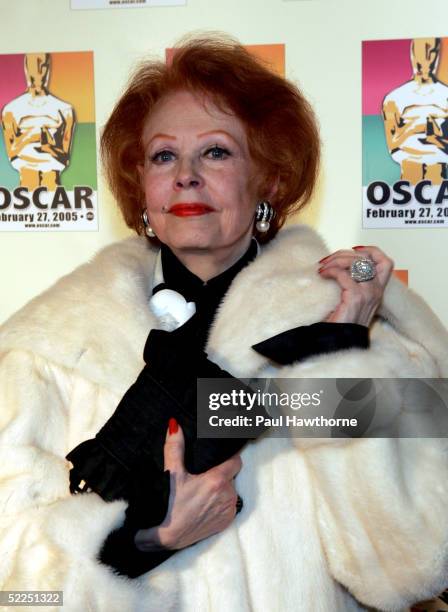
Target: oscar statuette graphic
38 128
415 118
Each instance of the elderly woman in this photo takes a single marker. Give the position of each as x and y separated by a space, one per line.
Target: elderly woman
208 156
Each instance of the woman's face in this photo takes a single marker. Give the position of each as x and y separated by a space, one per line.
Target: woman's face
201 185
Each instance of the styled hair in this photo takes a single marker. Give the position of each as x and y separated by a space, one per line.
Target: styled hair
281 128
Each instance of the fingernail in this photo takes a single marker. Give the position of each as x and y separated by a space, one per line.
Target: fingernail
360 246
320 270
323 259
173 426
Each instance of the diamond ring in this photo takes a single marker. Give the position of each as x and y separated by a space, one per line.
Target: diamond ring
362 269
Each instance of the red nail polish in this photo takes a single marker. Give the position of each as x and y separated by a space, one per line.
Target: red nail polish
323 259
359 247
320 270
173 426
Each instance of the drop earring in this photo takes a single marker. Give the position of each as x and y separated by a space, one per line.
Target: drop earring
263 216
148 229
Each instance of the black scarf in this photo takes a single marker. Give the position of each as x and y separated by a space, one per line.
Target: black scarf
125 459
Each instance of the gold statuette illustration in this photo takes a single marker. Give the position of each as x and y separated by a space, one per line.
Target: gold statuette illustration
416 118
38 128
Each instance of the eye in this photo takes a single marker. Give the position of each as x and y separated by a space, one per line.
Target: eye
163 156
217 152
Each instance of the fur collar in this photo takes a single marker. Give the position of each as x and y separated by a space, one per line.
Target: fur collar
97 318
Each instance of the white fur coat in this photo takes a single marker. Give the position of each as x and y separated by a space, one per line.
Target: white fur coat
326 526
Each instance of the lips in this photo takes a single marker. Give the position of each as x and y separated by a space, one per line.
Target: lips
190 209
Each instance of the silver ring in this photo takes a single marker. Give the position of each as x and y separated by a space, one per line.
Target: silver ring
362 269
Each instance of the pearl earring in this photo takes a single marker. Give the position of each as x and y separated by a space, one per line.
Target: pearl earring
264 215
148 229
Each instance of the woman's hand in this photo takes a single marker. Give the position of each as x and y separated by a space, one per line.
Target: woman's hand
199 505
359 301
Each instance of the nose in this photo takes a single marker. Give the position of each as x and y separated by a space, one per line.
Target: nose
187 176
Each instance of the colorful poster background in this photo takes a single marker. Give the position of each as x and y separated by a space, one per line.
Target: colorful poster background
71 79
272 55
402 275
386 65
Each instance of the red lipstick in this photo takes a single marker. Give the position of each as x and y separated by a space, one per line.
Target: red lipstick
190 209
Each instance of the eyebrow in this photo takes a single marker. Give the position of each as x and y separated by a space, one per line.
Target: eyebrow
210 133
160 135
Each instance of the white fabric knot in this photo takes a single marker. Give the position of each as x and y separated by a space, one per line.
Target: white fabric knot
171 308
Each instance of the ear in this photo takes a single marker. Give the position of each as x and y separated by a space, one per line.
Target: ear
271 187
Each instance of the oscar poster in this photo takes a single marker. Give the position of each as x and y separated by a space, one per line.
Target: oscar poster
48 177
405 133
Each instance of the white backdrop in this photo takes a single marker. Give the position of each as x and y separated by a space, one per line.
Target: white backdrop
323 54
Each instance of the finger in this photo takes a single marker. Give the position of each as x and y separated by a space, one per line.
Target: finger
228 469
342 252
370 290
174 448
344 260
376 254
341 276
384 264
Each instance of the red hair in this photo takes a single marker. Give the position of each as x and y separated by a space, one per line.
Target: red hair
281 129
